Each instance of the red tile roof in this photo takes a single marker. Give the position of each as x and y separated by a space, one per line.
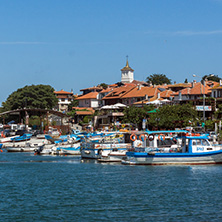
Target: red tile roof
91 95
106 90
166 94
92 88
141 91
217 86
63 92
62 97
119 92
84 110
198 89
183 85
83 113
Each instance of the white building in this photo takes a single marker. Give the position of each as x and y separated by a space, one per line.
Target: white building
64 99
127 75
89 100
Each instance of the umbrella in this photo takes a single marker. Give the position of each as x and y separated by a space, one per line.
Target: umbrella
154 102
152 111
166 101
110 107
120 105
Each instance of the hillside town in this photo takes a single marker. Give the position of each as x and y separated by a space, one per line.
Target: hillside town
111 99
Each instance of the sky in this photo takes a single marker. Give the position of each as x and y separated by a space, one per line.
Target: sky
76 44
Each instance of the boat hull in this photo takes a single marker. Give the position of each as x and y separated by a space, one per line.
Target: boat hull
133 158
21 149
102 150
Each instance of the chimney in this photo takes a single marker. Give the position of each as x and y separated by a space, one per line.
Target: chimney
193 83
175 82
220 82
138 86
180 96
158 95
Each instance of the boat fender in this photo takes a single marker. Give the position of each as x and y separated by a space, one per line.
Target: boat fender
142 137
151 137
133 137
161 137
21 150
100 151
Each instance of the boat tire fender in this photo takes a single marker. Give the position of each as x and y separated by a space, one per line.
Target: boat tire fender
142 135
151 137
100 151
133 137
161 137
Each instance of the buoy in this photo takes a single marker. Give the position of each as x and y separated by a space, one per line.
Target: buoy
151 137
133 137
142 135
161 137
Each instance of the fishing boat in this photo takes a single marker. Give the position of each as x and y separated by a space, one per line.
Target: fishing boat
105 144
24 143
142 139
66 145
69 149
193 150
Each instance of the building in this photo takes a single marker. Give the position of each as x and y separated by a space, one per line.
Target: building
115 96
127 75
89 100
64 99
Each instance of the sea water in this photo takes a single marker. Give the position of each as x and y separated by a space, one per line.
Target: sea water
52 188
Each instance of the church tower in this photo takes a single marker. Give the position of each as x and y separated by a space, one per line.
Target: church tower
127 75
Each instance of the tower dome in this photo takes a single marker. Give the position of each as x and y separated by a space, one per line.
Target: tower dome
127 75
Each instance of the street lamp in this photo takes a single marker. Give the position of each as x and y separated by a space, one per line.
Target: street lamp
204 80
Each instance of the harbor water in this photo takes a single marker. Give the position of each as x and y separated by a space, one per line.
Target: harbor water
54 188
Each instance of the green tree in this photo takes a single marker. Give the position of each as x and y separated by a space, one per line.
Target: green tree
103 85
211 77
158 79
74 103
172 116
135 115
34 96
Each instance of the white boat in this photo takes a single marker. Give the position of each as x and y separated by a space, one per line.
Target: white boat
69 149
194 150
114 155
24 146
140 140
104 146
69 146
7 139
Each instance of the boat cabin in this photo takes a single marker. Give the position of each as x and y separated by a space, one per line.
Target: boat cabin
197 144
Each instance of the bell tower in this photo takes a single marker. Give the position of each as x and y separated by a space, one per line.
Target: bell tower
127 75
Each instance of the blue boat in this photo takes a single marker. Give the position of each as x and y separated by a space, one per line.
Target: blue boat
24 137
193 150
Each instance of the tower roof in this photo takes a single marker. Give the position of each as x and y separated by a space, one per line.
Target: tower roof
127 67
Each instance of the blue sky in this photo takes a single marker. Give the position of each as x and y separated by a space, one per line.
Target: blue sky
72 44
